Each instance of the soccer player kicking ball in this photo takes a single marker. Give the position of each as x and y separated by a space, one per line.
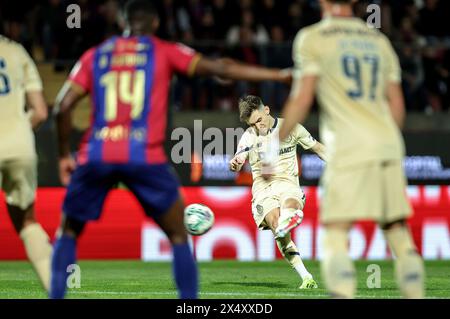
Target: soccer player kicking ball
356 74
277 204
128 78
20 83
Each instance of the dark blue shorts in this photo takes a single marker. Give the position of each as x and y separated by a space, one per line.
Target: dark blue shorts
156 187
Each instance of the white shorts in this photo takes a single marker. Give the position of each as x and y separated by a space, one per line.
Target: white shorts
272 197
18 178
369 191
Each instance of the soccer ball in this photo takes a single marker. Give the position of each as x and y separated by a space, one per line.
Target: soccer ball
198 219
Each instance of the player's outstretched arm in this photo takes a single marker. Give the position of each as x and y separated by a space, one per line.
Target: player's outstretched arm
319 149
236 164
38 111
65 102
226 68
298 104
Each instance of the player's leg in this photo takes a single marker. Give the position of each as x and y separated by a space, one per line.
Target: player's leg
409 268
337 268
287 248
184 265
292 201
35 239
291 213
349 194
83 202
64 254
19 181
157 189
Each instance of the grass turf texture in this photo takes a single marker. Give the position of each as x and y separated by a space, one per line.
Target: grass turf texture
219 279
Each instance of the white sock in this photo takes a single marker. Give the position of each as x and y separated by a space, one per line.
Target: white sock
290 252
39 251
301 269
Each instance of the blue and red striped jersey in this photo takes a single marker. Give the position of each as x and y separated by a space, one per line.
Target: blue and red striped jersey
128 80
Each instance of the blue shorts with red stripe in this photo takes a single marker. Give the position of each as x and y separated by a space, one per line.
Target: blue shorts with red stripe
155 186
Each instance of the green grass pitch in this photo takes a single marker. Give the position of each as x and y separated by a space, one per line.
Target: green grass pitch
219 279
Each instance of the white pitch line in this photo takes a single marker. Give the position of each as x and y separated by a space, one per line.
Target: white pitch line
255 294
209 293
287 294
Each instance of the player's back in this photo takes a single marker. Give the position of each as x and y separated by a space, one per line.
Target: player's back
355 64
18 74
128 79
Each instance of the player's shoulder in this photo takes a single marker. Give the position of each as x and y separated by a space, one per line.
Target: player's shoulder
9 44
102 48
106 46
171 45
308 36
161 44
299 129
250 132
371 33
308 31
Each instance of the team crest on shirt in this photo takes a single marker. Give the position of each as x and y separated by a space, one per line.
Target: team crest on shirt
288 139
259 209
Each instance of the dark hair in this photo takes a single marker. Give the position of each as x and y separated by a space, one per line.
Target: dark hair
247 105
133 6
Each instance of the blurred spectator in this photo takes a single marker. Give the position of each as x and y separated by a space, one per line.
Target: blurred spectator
248 29
175 22
14 26
444 74
196 10
58 40
433 79
431 19
294 21
277 55
246 51
270 14
406 32
207 28
110 11
300 13
257 31
412 78
222 12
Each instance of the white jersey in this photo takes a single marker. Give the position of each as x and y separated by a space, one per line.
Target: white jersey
18 75
253 147
354 65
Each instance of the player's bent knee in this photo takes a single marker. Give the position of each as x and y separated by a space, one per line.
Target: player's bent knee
72 227
21 217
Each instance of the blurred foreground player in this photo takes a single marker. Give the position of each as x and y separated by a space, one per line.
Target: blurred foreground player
128 80
356 74
20 84
276 204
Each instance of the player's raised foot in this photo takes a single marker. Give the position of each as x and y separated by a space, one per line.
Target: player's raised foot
285 227
309 283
